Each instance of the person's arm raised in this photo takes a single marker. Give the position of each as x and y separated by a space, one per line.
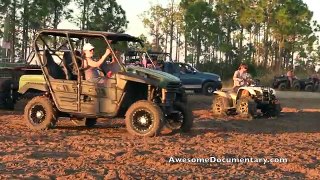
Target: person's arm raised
98 63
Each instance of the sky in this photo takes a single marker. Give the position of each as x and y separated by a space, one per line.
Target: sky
134 8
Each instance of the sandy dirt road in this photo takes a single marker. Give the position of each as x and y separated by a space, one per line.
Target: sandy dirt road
108 151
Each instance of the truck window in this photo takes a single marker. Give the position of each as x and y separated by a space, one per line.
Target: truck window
172 68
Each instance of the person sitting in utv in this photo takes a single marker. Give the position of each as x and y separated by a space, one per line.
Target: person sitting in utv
241 77
90 66
113 67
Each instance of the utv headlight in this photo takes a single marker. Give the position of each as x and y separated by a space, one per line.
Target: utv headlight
219 78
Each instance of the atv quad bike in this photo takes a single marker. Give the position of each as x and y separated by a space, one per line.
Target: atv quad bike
147 98
310 84
246 101
282 83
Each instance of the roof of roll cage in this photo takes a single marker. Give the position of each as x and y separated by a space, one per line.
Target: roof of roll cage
85 33
133 52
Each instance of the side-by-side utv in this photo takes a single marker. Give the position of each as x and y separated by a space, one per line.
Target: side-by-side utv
147 98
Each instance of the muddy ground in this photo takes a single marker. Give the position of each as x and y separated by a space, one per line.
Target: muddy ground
108 151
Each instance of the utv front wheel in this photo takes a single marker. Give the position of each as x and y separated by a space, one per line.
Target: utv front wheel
182 120
40 114
144 118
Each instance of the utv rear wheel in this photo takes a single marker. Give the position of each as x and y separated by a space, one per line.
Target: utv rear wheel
208 88
182 120
40 114
220 105
246 108
144 118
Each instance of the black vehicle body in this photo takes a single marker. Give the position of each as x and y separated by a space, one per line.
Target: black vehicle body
282 83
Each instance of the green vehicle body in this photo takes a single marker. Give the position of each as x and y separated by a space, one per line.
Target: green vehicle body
83 100
105 100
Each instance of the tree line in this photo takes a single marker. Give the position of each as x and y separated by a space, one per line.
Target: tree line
21 19
219 34
212 34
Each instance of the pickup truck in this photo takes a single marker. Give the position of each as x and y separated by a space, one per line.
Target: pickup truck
192 79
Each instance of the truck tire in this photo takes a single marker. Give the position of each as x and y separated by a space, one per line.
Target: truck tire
208 88
40 114
144 118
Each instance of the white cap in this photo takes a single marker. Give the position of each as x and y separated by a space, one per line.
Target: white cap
87 46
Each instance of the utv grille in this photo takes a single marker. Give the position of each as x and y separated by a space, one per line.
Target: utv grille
173 87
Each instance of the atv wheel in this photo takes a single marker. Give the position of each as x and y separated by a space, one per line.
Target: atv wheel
220 105
88 122
282 86
275 110
144 118
40 114
296 86
208 88
182 120
309 88
271 110
246 108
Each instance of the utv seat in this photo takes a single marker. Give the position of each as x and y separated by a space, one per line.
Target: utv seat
79 60
54 70
70 67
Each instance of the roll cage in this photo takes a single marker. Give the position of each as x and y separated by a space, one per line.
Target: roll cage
67 46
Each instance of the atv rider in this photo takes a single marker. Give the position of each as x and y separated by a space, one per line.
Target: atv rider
290 76
241 77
